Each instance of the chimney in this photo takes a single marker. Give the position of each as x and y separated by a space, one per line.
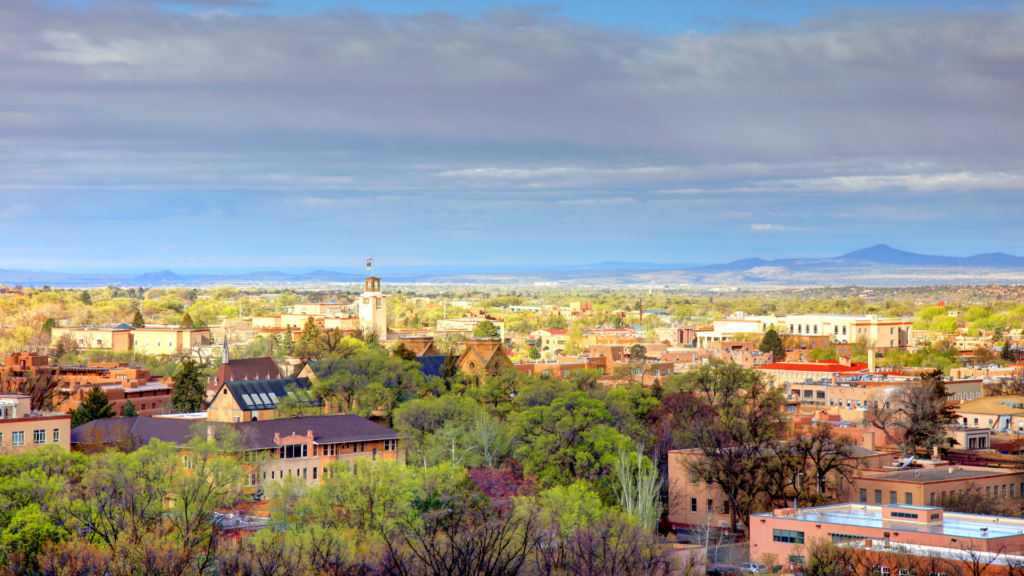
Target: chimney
871 360
309 434
935 451
277 437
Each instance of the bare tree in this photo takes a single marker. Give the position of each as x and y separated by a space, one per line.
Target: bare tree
919 412
43 385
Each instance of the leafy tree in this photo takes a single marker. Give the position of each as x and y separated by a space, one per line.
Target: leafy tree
30 530
773 343
189 390
129 409
486 329
403 352
186 321
48 325
137 321
449 371
94 406
85 298
534 354
819 354
570 439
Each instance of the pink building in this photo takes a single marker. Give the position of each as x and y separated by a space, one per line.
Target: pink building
785 533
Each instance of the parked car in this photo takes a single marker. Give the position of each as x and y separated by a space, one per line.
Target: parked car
753 568
725 571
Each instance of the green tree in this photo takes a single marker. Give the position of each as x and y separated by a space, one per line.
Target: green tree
449 371
28 533
310 331
129 409
186 321
403 352
819 354
773 343
94 406
534 354
486 329
189 389
48 326
137 321
85 298
1007 354
571 439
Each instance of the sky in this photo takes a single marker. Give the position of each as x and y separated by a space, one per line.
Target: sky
256 135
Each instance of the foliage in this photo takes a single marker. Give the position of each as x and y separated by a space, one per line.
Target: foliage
639 487
771 342
189 392
913 415
48 325
401 351
129 409
137 321
186 321
94 406
486 329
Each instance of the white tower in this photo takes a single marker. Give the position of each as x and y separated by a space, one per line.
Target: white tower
373 309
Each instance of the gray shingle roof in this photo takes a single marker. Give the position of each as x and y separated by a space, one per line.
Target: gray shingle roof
334 429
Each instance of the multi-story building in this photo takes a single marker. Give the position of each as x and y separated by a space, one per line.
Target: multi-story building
961 543
21 428
270 450
148 340
467 326
927 486
787 373
151 395
253 400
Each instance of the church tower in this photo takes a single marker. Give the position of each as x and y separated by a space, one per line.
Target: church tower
373 309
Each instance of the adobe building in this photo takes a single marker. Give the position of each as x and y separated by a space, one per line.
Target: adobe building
22 361
124 337
151 395
22 429
927 486
914 530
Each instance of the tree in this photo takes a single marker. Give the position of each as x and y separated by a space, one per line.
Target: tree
486 329
189 391
129 409
639 487
732 419
310 331
137 321
42 385
449 371
94 406
534 354
570 439
1007 353
773 343
48 325
403 352
85 298
919 412
186 321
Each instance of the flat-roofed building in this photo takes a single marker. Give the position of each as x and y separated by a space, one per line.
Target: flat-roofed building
927 486
124 337
786 533
22 428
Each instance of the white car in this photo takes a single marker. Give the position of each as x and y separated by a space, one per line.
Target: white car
753 567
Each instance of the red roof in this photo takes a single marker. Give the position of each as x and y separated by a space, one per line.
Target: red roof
554 332
826 366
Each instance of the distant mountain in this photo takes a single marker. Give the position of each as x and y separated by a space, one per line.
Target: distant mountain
878 265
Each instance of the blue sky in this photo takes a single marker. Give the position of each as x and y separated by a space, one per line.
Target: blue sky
227 133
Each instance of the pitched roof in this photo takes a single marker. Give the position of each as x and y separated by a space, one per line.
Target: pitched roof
250 368
264 394
431 365
1002 405
331 429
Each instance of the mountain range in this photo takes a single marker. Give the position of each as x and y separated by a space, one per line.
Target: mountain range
877 265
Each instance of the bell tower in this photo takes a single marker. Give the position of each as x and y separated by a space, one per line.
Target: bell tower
373 309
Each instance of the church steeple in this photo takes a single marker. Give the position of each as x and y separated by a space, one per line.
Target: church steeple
225 358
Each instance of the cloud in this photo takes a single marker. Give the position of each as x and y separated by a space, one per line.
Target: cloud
125 111
772 227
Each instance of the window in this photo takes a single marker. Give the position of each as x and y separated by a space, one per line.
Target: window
711 506
693 504
314 449
295 451
878 496
303 473
188 461
908 498
988 491
158 343
56 439
839 538
932 500
314 473
39 436
904 515
790 536
903 572
892 497
17 438
884 570
137 343
1011 490
362 446
726 507
864 495
1004 491
796 559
